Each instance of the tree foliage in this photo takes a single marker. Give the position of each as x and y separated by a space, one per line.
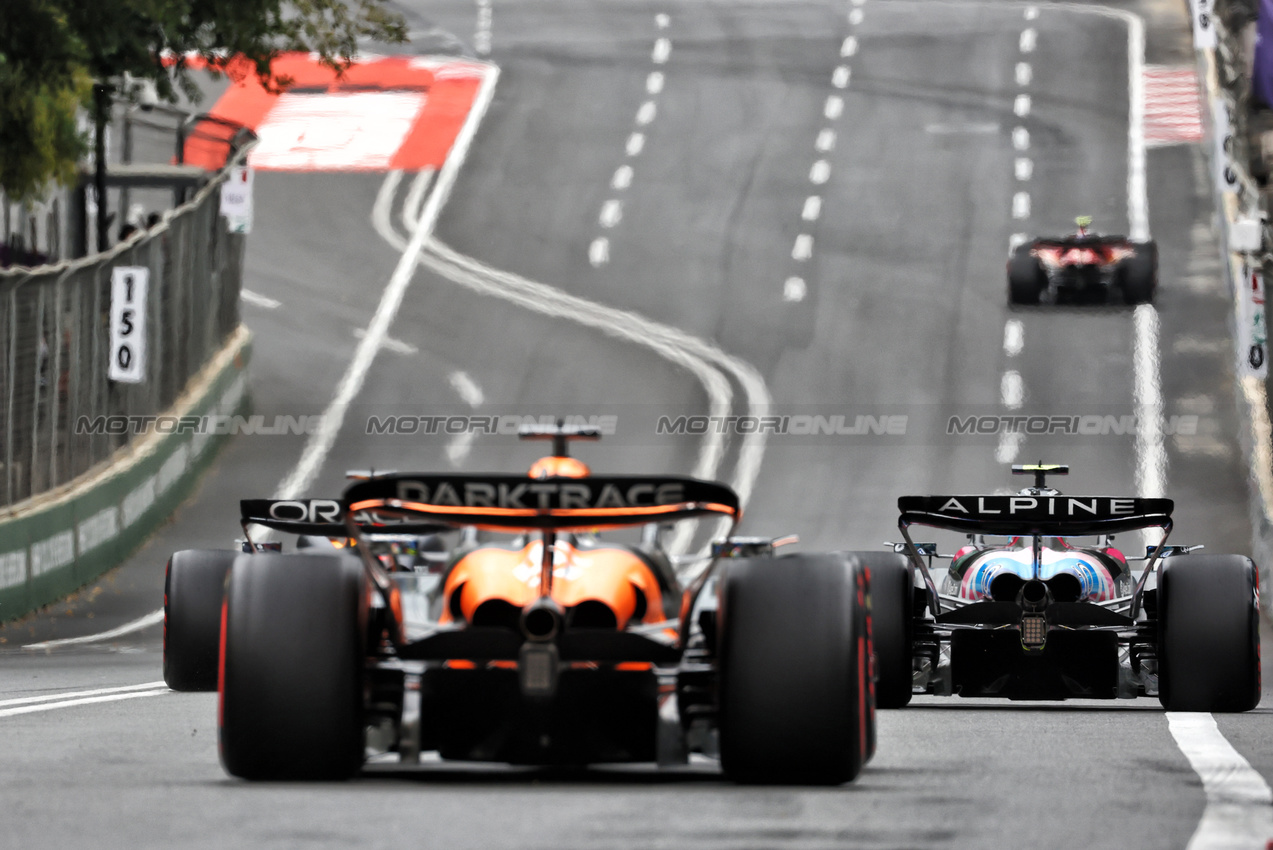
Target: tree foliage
53 52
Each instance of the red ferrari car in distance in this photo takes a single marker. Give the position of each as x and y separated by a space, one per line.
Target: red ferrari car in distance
1083 267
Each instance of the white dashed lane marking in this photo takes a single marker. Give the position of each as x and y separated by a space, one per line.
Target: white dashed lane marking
855 17
812 208
258 300
397 346
661 21
840 78
1029 38
1021 205
1012 389
849 47
654 82
611 213
834 107
599 251
662 50
636 143
646 113
1031 12
803 249
1024 73
1021 105
820 172
794 289
1023 168
622 177
1013 337
1020 138
825 141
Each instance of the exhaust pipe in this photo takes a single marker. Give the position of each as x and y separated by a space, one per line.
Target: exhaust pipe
542 620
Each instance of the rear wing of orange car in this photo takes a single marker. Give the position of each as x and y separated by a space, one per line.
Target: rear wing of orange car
518 503
326 518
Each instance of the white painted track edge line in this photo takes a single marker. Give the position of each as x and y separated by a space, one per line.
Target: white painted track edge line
51 706
144 686
1238 812
154 618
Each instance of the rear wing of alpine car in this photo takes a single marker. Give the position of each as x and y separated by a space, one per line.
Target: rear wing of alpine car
1046 515
1036 515
518 503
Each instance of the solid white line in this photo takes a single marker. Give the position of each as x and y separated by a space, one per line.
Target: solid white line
50 706
145 686
1151 456
599 251
258 300
820 172
654 82
415 198
622 177
154 618
1013 337
1238 812
382 209
311 461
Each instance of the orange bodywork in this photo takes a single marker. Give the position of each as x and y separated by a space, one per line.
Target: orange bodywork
613 577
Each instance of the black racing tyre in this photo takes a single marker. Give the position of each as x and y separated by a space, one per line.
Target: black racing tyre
1139 274
292 659
194 582
796 698
1026 278
892 625
1208 633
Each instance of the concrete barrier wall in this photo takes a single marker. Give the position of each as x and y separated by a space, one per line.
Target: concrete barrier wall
62 540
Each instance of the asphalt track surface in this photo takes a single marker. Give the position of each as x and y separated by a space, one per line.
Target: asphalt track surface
902 313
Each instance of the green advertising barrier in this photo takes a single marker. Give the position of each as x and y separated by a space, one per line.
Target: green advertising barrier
52 545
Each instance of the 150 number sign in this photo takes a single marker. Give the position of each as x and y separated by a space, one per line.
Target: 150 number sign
128 324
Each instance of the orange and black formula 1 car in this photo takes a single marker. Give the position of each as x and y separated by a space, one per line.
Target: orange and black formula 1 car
557 648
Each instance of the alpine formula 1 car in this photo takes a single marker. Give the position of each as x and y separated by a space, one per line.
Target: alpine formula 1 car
555 647
1083 268
1035 616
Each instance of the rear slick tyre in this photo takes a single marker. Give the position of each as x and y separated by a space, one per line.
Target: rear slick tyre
1026 278
292 659
194 583
796 699
892 625
1208 634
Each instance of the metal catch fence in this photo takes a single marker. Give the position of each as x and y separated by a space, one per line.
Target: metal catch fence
55 338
